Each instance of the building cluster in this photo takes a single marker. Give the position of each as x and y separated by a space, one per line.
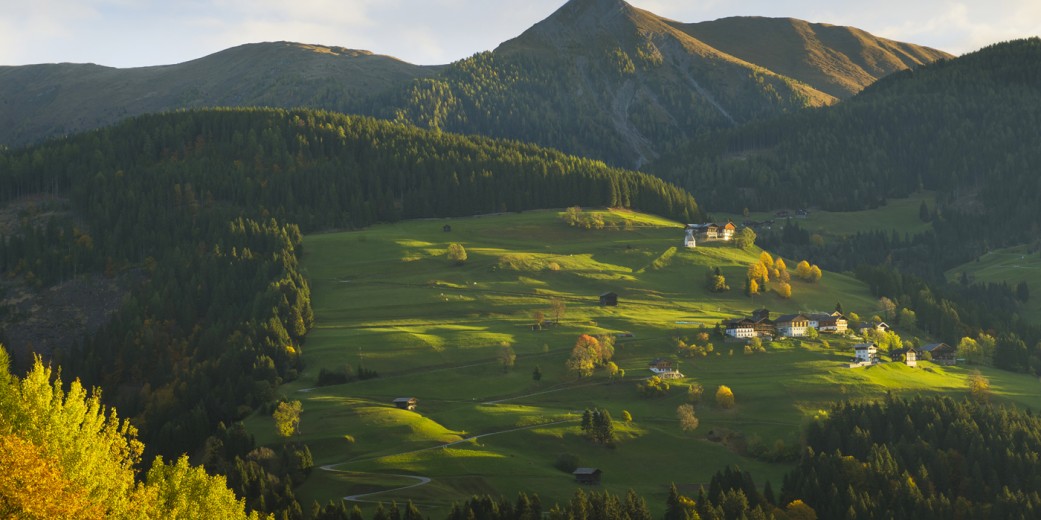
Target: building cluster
786 325
707 232
865 354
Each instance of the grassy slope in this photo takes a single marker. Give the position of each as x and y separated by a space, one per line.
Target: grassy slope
839 61
900 215
386 296
1011 265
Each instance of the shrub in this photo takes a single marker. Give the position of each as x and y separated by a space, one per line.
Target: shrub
566 462
653 387
725 397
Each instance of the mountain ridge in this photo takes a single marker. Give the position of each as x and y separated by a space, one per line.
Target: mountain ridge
45 100
599 78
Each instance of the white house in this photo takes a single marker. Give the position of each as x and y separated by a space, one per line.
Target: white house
743 328
911 357
792 325
688 239
664 369
865 353
834 323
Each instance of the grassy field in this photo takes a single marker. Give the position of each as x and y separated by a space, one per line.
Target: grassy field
1012 266
387 298
900 215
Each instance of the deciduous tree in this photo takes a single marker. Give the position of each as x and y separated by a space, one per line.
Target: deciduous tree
507 357
979 386
456 253
287 418
688 421
725 397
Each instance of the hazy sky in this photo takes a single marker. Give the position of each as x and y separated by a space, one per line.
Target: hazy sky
129 33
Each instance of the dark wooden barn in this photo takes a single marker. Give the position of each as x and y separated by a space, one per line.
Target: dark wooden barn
587 476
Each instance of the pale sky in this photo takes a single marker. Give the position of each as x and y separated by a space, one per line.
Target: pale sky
132 33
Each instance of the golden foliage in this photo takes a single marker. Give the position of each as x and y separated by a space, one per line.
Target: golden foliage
32 485
725 397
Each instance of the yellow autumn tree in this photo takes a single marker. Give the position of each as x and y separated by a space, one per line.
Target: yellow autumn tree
725 397
287 418
758 272
766 260
33 486
65 455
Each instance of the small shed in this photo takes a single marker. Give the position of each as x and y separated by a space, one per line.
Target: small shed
406 403
609 299
447 228
589 476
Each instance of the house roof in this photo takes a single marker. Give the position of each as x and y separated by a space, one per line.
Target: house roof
586 471
937 347
739 322
658 360
864 346
790 317
404 399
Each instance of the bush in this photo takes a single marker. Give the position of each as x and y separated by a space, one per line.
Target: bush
725 397
566 462
653 387
328 377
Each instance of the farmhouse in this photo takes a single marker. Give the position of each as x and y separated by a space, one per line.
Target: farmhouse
609 299
865 353
742 328
834 323
792 325
910 356
664 369
881 326
406 403
711 231
587 476
941 353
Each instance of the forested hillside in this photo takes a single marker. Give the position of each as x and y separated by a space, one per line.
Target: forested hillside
966 128
604 79
206 209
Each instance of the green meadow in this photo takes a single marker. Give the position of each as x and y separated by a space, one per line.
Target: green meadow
1010 265
899 215
387 299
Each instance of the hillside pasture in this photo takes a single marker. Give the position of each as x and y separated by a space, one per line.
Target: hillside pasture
387 299
1011 266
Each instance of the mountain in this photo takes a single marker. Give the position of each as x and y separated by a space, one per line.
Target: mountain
966 127
599 78
839 61
38 101
605 79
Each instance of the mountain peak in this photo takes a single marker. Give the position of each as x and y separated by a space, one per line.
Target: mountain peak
579 23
